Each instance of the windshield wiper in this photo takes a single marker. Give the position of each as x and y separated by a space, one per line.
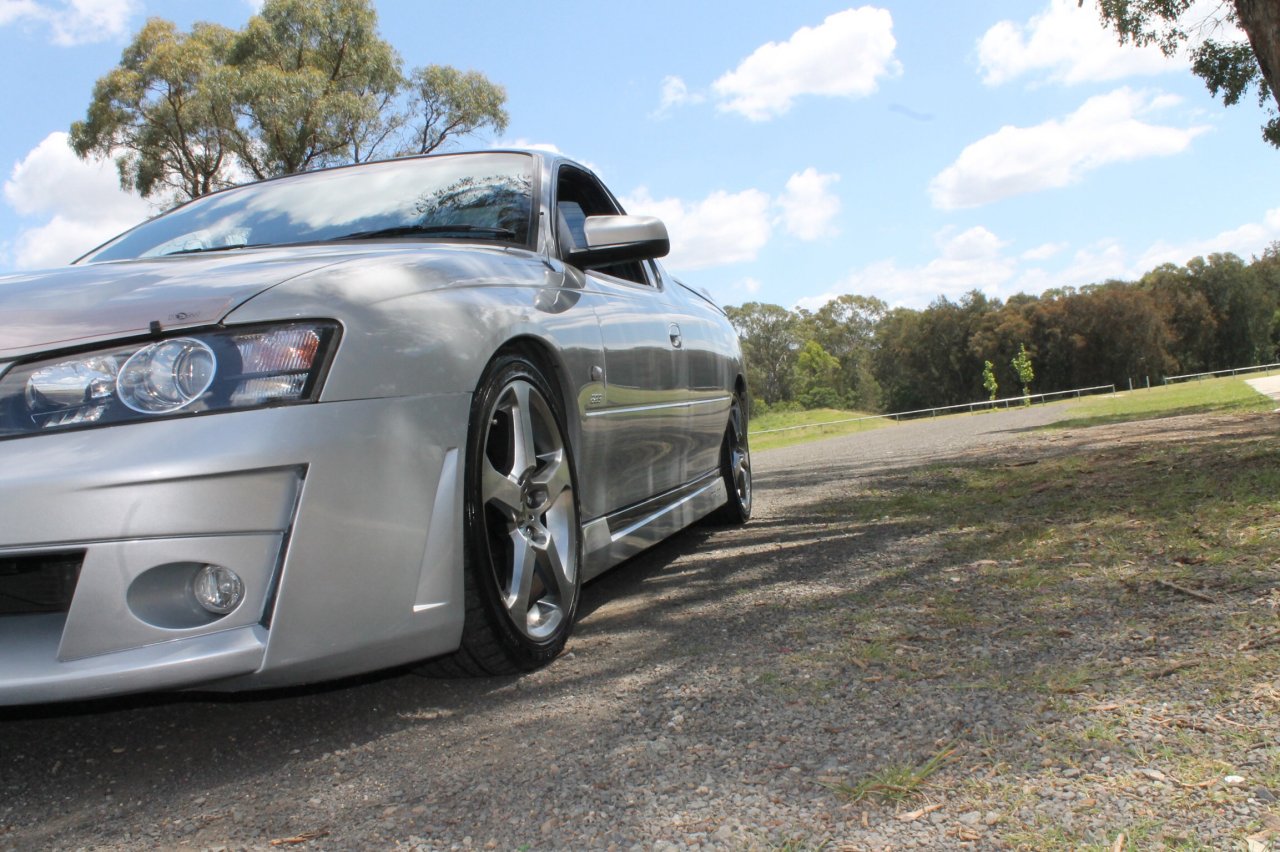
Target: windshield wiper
201 249
429 230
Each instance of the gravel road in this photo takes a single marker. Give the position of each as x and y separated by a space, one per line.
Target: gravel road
687 712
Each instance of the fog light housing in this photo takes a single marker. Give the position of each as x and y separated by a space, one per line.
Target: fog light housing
217 589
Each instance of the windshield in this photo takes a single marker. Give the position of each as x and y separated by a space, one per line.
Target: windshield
463 196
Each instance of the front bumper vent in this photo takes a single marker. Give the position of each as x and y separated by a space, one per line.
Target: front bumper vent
39 582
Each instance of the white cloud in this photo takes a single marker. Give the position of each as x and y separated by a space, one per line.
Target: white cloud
549 147
732 227
72 22
808 206
1100 261
1246 240
1064 43
81 202
1018 160
1108 259
973 259
1044 251
676 93
17 10
977 259
525 144
967 260
721 229
844 56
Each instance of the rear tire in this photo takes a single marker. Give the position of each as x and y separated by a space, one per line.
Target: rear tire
735 469
521 525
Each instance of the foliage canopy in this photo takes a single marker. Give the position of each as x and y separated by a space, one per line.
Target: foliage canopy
305 84
1230 68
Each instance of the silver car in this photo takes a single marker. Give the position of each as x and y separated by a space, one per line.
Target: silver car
346 420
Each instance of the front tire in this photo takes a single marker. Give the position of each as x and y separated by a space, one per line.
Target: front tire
522 528
735 469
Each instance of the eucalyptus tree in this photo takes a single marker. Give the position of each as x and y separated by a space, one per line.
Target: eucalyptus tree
846 329
444 102
313 73
770 343
166 113
305 84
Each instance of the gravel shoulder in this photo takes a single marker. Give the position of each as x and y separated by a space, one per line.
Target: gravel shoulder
731 689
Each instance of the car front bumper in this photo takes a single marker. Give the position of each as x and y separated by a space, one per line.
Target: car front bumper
342 519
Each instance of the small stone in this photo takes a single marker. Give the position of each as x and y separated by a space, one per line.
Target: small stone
970 818
1071 773
1262 794
991 818
1233 780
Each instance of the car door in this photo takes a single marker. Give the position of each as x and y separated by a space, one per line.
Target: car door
638 431
710 374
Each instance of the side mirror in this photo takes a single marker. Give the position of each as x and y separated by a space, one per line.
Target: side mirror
618 239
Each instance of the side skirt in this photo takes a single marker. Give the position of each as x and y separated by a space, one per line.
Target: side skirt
609 540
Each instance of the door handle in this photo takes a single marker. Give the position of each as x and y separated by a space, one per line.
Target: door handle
676 339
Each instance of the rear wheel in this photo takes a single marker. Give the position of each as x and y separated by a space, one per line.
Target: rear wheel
522 527
735 468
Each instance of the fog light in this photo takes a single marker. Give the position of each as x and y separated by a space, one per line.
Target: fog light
217 589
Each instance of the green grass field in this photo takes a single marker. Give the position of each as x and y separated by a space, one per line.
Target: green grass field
1228 394
812 424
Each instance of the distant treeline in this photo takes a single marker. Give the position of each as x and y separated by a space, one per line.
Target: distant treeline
1213 313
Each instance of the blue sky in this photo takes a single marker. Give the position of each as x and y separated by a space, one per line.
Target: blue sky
797 151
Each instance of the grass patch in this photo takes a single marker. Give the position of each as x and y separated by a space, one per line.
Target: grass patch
1222 395
1225 395
897 782
814 424
1197 508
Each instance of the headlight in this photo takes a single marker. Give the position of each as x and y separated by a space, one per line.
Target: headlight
193 373
167 376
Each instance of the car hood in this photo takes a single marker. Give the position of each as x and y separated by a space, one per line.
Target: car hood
81 305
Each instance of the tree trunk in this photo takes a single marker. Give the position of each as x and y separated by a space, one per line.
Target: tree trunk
1260 19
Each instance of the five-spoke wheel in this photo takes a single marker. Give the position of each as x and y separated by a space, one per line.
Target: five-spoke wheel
529 518
522 530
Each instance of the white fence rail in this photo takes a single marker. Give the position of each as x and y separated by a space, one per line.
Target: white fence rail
970 406
1260 368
